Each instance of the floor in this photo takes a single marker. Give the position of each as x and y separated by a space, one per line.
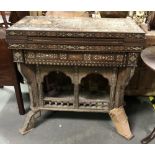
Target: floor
70 127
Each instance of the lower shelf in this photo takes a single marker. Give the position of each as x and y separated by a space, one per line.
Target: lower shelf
105 110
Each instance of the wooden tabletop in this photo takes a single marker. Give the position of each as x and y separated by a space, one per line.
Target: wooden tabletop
47 23
148 56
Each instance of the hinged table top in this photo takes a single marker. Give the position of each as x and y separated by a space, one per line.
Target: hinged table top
35 23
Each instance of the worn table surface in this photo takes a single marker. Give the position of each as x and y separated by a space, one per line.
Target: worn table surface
77 24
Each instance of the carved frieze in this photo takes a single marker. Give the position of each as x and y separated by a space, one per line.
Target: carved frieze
75 34
81 59
75 47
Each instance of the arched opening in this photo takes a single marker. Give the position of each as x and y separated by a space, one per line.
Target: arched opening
94 86
57 84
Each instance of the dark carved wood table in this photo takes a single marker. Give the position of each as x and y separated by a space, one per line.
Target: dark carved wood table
8 71
83 51
148 56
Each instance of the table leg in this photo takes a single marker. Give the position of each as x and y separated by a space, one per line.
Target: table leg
18 91
29 123
29 74
120 121
118 114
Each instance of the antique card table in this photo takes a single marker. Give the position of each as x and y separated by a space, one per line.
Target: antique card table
77 64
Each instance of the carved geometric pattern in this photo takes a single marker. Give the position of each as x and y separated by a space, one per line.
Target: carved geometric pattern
75 47
136 48
87 57
31 55
105 59
67 103
132 59
76 34
18 56
119 58
63 56
58 104
54 102
93 105
75 57
43 55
